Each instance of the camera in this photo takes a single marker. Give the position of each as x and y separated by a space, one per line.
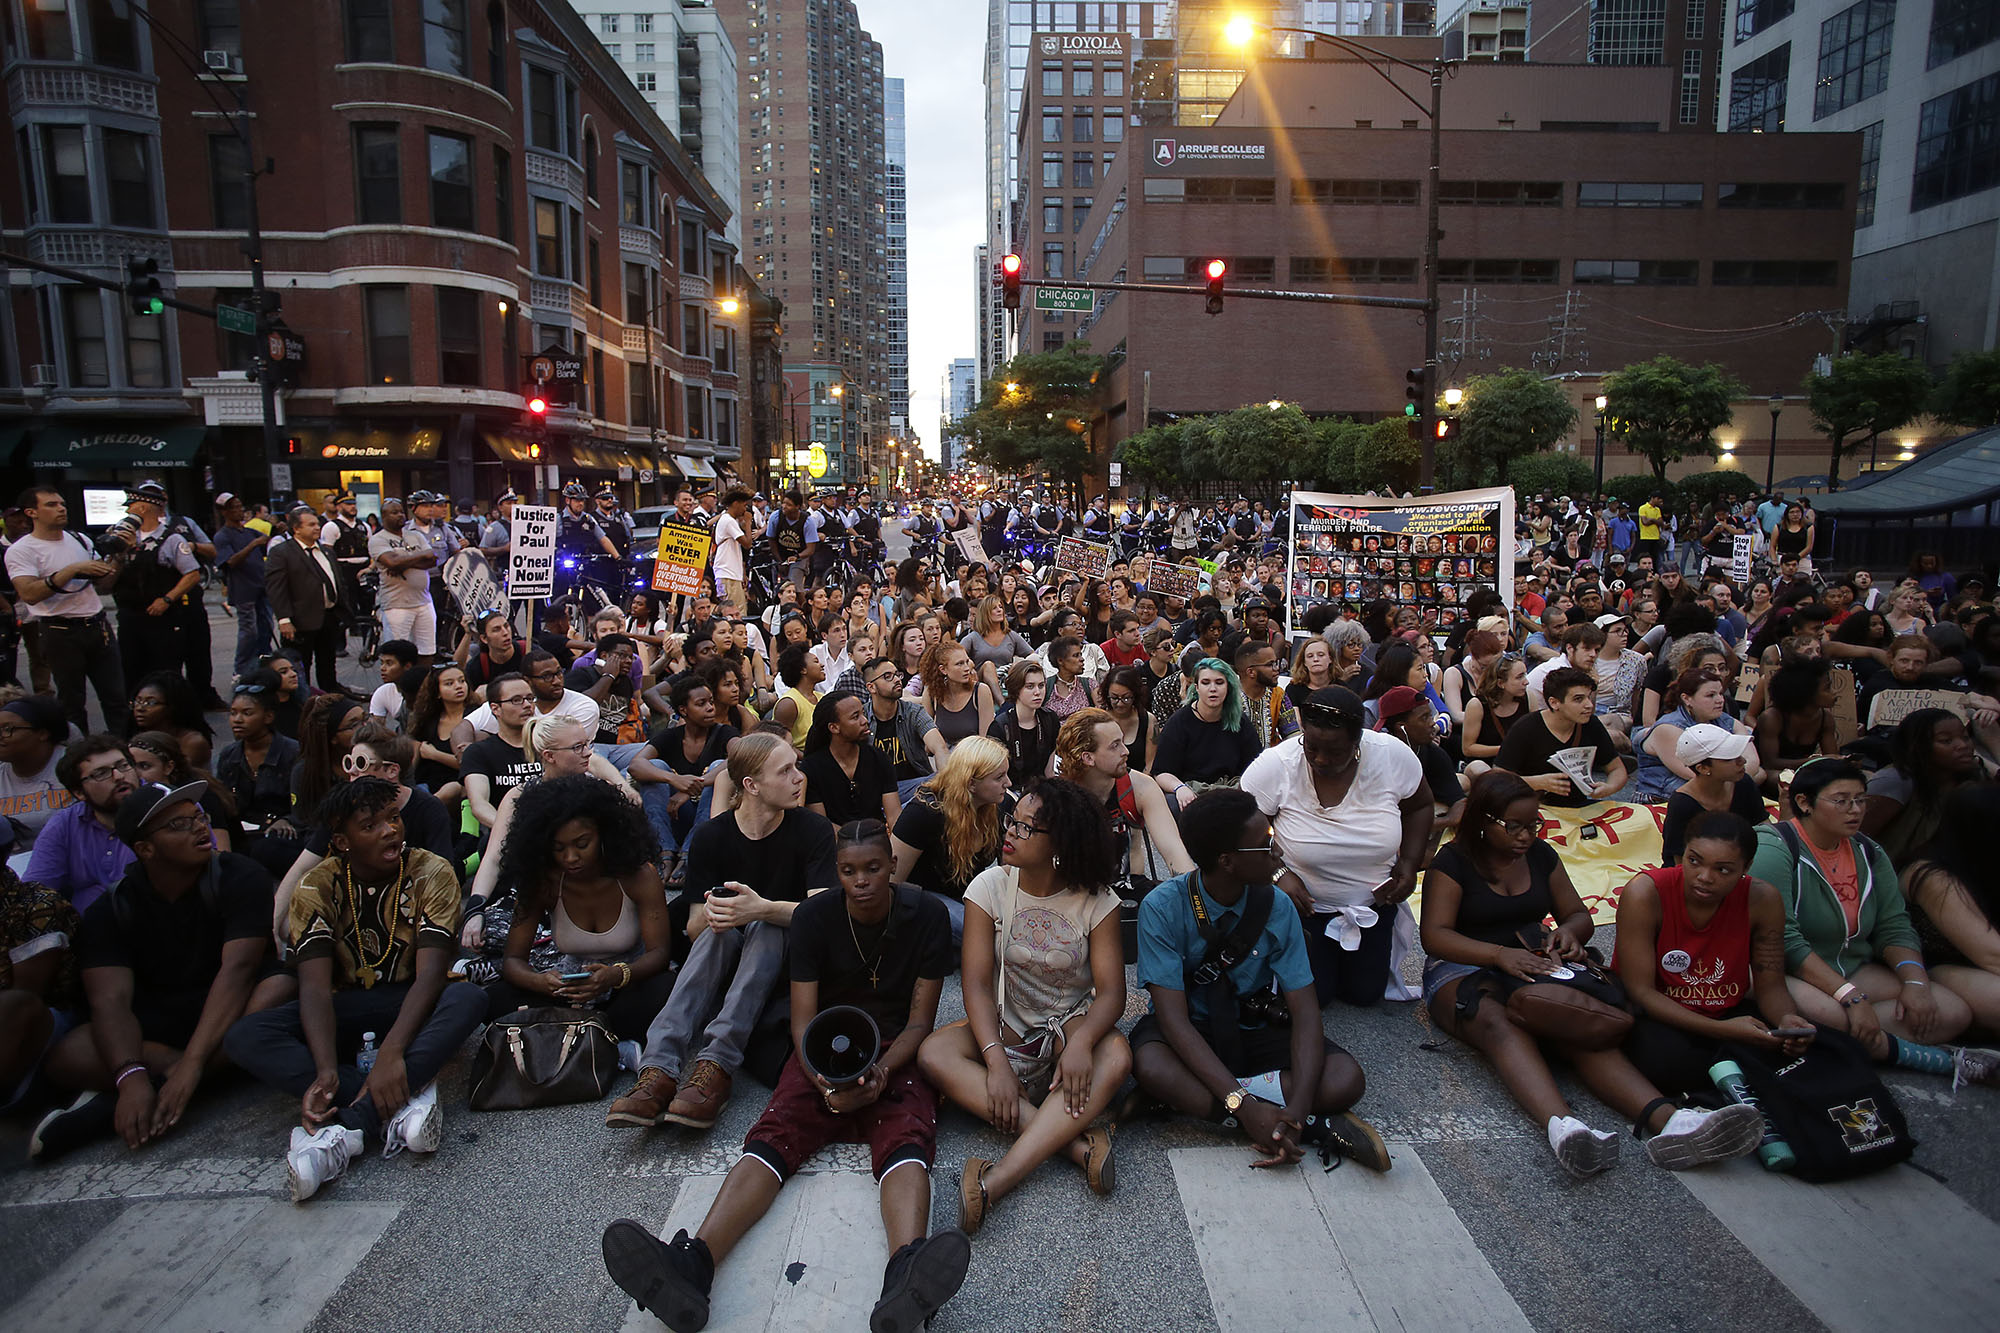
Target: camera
118 539
1265 1007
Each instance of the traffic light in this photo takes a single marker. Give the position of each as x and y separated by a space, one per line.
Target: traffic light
538 403
1217 268
142 287
1447 429
1010 282
1413 390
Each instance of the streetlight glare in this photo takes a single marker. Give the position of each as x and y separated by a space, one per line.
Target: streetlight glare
1453 397
1602 402
730 305
1013 387
1240 30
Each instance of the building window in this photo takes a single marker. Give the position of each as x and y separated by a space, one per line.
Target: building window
387 310
1079 213
697 418
1690 105
220 23
1114 124
378 175
691 339
633 194
1776 272
503 195
129 178
1354 192
1052 71
113 40
458 336
1052 216
1114 81
1053 339
575 246
1632 32
691 247
1052 260
1052 165
451 182
89 354
545 118
1083 172
593 263
1781 194
68 173
370 32
1638 272
1502 194
590 164
1753 16
646 81
1958 144
548 238
49 33
1958 26
496 47
1497 272
1081 78
444 36
615 50
1052 125
1695 26
1871 171
145 351
1638 194
642 23
639 402
1853 56
1757 92
597 403
642 52
228 190
1083 127
607 23
1347 269
635 295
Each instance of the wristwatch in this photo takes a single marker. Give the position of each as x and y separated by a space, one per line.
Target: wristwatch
1234 1100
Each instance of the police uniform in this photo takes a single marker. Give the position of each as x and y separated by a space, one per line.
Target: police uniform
158 560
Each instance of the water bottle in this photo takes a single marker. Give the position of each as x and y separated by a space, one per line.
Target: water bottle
1773 1152
364 1059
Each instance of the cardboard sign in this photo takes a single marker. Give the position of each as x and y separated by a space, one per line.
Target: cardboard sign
1739 558
472 582
531 552
1892 706
1174 581
1088 559
968 545
682 557
1846 703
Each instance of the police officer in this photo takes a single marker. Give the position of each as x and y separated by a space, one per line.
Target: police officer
1097 519
1051 521
151 594
497 537
617 524
465 520
925 530
832 535
866 526
794 537
995 517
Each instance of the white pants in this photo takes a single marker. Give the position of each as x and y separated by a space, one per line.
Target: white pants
419 626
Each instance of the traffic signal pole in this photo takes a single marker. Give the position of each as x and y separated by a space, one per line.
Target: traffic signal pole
1247 293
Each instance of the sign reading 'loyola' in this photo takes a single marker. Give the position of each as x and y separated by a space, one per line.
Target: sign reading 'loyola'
1083 43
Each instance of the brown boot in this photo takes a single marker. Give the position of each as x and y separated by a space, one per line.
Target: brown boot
642 1106
701 1098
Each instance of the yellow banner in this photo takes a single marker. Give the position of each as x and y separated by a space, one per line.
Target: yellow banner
683 555
1602 845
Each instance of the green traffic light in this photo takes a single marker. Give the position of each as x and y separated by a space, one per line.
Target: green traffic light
1409 409
154 305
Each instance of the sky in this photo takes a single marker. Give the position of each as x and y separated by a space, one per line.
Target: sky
938 49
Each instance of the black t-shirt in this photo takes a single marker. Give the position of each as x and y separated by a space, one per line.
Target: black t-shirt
922 826
1029 748
557 645
480 669
1745 801
783 865
1498 918
426 824
889 740
615 709
1529 744
174 950
847 799
913 945
1441 776
670 745
1197 751
505 766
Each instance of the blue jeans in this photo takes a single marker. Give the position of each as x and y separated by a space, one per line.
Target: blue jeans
621 756
255 630
671 829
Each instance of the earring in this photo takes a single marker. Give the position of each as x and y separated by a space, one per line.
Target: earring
1058 860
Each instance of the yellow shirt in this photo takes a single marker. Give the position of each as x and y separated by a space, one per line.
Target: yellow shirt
1649 522
803 722
258 525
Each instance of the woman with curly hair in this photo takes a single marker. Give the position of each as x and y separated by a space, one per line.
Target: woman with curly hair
1799 723
1212 739
581 857
1039 1055
157 757
326 734
165 701
950 827
954 695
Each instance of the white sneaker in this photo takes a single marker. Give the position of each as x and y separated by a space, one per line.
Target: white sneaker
316 1158
418 1126
1582 1150
1696 1138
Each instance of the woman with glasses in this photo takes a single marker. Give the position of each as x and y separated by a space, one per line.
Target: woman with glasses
256 766
1212 739
157 757
1039 1055
1025 727
1126 700
164 701
1486 899
1855 958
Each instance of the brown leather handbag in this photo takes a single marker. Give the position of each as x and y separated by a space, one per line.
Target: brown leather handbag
1588 1010
543 1057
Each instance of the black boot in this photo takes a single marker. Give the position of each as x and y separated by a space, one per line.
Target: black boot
669 1279
919 1279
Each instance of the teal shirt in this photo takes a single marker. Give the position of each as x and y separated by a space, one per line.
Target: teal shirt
1170 940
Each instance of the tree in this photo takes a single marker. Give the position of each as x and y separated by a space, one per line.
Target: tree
1551 474
1664 409
1511 415
1864 396
1386 459
1337 439
1034 415
1969 394
1153 458
1260 447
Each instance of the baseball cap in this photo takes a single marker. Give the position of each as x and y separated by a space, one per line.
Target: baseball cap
224 498
1610 618
138 812
1393 704
1704 740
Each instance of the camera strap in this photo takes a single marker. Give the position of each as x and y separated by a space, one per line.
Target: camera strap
1210 977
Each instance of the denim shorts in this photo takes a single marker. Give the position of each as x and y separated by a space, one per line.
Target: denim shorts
1439 973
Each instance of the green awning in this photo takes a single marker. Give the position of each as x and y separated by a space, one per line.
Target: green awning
1945 478
10 442
510 448
117 445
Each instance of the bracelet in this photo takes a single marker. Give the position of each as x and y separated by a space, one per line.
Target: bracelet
989 1046
126 1073
1846 990
477 911
1910 962
1916 983
624 978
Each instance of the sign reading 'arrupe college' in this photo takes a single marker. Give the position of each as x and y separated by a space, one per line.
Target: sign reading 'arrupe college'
1233 153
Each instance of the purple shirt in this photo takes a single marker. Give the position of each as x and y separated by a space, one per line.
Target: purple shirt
77 856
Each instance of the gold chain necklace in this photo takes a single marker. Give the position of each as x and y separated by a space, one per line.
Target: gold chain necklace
365 972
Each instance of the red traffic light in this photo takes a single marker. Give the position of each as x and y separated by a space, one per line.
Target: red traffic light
1010 282
538 405
1010 265
1216 268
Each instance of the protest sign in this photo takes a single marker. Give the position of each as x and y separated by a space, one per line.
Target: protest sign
1347 550
1167 580
1739 558
471 581
968 545
531 554
1088 559
1892 706
681 559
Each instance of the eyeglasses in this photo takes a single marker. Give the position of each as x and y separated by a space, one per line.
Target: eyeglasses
1021 828
1330 715
354 763
515 699
112 770
1118 698
581 747
254 689
184 823
1270 846
1845 802
1520 828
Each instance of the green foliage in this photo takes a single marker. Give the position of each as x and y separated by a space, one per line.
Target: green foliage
1550 474
1261 448
1337 440
1969 393
1635 488
1039 425
1863 396
1510 416
1705 488
1665 409
1152 459
1386 459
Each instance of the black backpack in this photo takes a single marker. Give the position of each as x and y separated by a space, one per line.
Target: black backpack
1830 1106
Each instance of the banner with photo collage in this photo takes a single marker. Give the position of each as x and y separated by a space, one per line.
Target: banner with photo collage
1348 550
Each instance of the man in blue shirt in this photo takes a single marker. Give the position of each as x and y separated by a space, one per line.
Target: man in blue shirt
241 551
1228 1037
1619 528
78 852
1770 514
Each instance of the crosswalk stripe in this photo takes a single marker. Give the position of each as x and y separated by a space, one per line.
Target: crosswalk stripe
1350 1249
1895 1248
814 1261
142 1180
189 1266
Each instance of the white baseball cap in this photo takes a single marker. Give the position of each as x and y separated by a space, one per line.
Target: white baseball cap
1706 741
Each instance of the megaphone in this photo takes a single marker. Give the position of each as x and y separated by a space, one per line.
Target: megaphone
841 1044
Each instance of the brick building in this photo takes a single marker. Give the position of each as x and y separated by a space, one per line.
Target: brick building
450 188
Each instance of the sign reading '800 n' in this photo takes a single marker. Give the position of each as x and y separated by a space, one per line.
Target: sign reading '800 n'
1065 298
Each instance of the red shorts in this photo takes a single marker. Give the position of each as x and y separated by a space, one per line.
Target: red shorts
901 1126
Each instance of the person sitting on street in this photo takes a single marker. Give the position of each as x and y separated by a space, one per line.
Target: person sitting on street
949 829
883 949
373 930
672 769
1211 739
256 766
1039 1055
79 853
1719 761
581 857
157 757
1486 898
748 869
1234 1035
33 733
176 952
41 989
1092 752
847 778
1568 724
1953 890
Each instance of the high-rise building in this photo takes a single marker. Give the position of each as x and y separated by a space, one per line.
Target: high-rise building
896 327
1921 84
989 319
815 203
959 393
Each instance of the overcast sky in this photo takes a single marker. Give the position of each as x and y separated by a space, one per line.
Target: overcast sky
938 49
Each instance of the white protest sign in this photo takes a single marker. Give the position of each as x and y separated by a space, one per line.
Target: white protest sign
531 556
1739 559
471 581
968 545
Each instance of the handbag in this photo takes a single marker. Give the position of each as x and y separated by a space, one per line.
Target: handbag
543 1057
1829 1105
1588 1009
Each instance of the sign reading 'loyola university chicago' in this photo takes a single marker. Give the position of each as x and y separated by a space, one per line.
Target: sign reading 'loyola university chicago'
1235 153
1083 44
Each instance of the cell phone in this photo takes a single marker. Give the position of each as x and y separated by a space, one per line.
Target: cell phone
1794 1032
576 976
722 891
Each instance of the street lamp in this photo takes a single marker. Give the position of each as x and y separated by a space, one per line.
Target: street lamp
1240 30
1771 464
1598 484
1453 397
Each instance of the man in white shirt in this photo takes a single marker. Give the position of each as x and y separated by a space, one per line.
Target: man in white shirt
56 579
406 560
732 545
545 678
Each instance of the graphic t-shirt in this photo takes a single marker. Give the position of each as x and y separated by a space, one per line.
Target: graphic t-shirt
1041 944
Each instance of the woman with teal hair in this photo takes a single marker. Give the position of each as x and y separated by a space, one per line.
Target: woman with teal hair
1211 739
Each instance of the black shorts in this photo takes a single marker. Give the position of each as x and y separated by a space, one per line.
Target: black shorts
1259 1050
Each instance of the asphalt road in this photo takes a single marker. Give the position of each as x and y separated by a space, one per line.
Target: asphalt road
1475 1226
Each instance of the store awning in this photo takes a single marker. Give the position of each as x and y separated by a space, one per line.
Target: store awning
668 469
117 445
694 467
510 448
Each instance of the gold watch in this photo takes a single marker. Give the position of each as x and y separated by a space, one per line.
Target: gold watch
1234 1100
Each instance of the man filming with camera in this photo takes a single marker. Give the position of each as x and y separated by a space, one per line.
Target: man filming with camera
57 578
160 571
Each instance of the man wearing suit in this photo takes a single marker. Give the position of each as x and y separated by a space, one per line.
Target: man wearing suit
307 598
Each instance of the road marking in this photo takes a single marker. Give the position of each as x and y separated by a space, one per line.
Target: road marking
147 1180
191 1266
1845 1249
1350 1249
814 1261
716 1161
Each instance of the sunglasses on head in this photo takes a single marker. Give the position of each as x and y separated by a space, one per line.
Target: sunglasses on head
1330 715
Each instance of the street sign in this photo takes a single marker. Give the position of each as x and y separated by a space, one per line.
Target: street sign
236 319
281 478
1117 475
1065 298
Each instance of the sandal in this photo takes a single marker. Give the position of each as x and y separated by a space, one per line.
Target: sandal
972 1194
1100 1170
